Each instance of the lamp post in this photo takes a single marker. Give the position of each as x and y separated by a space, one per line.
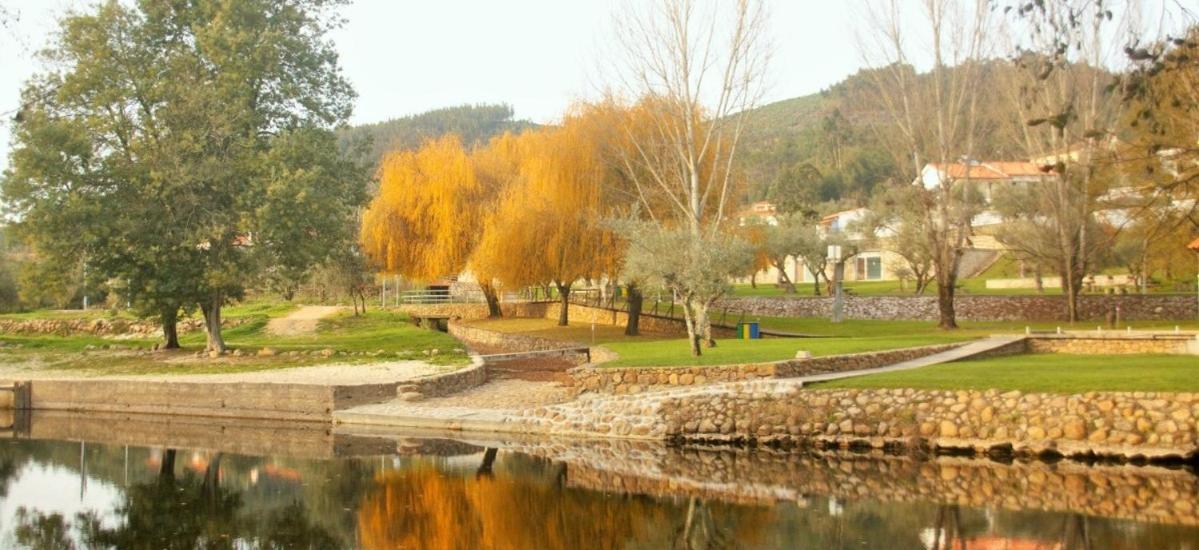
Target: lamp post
834 254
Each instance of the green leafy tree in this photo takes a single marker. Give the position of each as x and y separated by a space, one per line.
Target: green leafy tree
187 148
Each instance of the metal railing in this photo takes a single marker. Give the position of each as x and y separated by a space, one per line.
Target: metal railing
425 296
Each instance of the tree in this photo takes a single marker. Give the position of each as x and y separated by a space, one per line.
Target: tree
425 222
898 219
697 275
697 76
788 237
166 143
932 119
1066 118
549 225
1161 117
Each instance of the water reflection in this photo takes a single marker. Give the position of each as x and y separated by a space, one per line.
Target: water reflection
448 494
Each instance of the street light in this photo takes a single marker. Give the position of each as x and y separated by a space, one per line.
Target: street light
834 254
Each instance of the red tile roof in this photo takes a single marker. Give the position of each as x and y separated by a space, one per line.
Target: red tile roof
999 170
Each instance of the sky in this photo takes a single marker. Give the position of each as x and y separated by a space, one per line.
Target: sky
409 56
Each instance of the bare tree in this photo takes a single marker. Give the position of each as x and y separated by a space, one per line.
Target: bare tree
1066 117
694 69
930 118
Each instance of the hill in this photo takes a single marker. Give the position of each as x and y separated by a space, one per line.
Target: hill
475 124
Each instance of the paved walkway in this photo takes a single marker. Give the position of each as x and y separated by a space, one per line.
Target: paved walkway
956 354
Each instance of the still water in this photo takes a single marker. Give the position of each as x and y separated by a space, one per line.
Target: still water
323 490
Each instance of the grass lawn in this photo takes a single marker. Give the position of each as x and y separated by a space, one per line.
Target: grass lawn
851 336
377 331
669 353
1057 373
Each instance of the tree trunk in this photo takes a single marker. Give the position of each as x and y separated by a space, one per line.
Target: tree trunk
815 284
788 286
166 470
947 316
564 312
705 327
753 280
633 325
170 328
485 468
693 332
493 301
212 325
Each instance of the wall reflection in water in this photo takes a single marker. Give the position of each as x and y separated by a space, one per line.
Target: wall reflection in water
441 494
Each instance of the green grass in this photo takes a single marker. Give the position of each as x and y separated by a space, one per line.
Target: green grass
851 336
1056 373
378 331
670 353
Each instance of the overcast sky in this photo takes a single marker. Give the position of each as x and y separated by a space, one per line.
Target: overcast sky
409 56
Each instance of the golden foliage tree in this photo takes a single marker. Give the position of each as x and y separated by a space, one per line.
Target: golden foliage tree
424 222
548 226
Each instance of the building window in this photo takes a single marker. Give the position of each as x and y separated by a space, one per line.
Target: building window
874 268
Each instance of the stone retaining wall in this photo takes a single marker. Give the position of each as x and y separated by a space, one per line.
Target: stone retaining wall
311 402
621 380
549 310
1108 345
437 385
1109 423
506 341
1133 307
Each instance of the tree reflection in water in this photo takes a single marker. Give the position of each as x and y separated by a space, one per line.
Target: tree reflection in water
528 506
170 511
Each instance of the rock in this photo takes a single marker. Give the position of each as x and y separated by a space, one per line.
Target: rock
1036 432
948 429
1074 428
214 354
267 352
803 354
328 352
927 429
411 396
707 427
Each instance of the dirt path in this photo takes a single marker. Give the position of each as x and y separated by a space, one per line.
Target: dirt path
301 321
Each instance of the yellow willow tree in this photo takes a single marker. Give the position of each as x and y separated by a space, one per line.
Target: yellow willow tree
549 224
424 222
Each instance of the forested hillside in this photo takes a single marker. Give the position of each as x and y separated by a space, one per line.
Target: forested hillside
825 148
473 123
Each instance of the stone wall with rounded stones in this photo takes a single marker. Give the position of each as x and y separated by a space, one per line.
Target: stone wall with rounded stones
1118 423
99 327
1108 423
621 380
1136 307
1105 345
